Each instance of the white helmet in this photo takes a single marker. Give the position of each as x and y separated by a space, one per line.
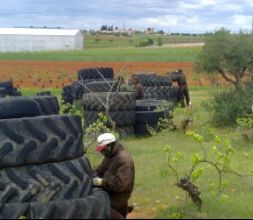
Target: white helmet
104 140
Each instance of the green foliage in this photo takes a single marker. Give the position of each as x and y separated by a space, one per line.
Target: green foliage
110 54
182 117
219 157
245 127
146 43
230 55
66 108
228 105
92 132
160 41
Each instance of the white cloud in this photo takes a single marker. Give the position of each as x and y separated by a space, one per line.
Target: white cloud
177 16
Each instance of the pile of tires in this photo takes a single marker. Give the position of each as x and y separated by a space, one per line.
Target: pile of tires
89 80
121 109
67 95
44 173
7 89
95 74
158 87
148 115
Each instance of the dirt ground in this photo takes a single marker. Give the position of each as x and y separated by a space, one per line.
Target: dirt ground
56 74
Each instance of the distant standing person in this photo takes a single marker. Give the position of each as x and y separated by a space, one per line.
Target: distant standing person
183 93
138 88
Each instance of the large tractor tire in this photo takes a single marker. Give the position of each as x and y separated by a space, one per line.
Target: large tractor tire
122 101
144 118
18 108
43 139
100 86
95 74
94 206
49 105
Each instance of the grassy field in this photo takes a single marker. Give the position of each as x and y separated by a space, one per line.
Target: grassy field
155 195
110 54
112 41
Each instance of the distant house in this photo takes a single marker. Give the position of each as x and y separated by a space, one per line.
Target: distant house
150 31
35 39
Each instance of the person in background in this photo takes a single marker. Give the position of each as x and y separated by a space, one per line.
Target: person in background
123 86
183 93
138 88
115 175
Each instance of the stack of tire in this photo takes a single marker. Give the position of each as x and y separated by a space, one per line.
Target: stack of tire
94 79
121 109
158 87
7 89
148 115
43 171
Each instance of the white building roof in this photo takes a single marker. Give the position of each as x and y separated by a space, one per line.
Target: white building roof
38 32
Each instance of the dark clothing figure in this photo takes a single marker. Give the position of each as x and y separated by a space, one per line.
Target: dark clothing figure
183 93
138 87
118 173
139 91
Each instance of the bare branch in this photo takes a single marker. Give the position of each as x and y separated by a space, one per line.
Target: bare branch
225 76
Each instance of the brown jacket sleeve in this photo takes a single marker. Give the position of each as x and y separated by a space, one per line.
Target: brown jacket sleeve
120 180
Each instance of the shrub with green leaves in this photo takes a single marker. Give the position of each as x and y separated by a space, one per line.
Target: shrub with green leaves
245 127
219 157
228 105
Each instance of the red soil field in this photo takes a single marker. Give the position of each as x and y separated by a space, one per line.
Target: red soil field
56 74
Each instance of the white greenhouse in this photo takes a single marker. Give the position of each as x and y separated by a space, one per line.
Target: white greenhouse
32 39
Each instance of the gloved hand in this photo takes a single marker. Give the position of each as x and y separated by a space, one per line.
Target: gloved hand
97 181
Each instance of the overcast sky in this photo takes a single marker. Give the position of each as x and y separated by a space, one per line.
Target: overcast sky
195 16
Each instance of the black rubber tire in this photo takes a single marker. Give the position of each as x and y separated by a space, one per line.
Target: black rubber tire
154 92
149 105
161 92
101 86
122 101
43 139
143 118
142 130
121 118
3 92
95 74
67 95
94 206
151 79
7 84
70 179
18 108
44 93
49 105
77 90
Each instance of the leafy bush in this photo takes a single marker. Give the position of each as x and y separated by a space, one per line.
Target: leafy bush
229 105
160 41
245 127
146 43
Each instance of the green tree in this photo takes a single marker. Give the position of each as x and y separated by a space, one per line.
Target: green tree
230 55
160 41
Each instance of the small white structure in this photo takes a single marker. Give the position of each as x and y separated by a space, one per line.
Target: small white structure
31 39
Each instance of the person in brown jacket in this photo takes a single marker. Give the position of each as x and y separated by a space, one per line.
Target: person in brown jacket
183 93
138 88
115 175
